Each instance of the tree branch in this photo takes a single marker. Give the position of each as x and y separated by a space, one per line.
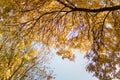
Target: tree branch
117 7
99 9
66 5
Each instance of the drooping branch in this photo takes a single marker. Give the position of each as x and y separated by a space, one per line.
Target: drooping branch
117 7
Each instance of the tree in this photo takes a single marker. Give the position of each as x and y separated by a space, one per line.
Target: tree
89 25
20 58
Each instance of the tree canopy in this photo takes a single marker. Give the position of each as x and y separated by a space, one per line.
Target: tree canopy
91 26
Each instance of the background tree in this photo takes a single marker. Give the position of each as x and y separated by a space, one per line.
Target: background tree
89 25
20 58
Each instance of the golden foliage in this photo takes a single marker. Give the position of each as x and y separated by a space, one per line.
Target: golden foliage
88 25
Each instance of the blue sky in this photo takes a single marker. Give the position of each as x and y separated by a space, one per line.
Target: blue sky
68 70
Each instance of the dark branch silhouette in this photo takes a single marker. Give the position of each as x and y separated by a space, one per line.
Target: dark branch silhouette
99 9
117 7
